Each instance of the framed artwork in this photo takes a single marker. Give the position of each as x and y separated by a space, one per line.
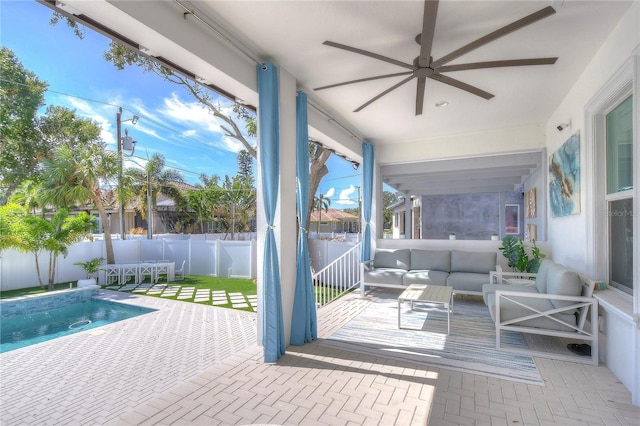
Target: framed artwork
531 233
511 219
530 204
564 178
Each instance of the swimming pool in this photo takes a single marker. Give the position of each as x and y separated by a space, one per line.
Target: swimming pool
31 321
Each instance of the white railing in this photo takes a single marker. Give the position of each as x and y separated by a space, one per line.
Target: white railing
338 277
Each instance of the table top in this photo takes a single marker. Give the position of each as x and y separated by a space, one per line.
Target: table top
427 293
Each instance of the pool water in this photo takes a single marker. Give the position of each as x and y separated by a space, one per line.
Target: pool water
18 331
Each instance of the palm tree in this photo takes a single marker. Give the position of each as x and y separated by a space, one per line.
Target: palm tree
74 177
320 203
151 180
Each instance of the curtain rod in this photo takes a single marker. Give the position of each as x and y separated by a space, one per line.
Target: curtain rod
240 49
236 45
333 120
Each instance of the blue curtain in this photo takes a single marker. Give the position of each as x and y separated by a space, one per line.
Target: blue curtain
304 325
367 195
269 158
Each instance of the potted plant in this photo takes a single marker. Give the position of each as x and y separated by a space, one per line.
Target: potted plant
452 235
495 236
515 252
91 267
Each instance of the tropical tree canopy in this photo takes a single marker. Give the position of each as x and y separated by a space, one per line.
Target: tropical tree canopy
153 179
21 149
75 175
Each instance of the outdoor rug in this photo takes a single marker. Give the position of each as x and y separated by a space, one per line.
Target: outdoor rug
469 348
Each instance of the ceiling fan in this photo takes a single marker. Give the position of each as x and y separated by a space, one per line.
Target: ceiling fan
424 66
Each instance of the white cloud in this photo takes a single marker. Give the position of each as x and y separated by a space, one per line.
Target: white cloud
330 193
189 112
85 110
346 196
189 133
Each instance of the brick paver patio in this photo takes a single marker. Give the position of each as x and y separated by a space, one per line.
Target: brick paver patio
192 364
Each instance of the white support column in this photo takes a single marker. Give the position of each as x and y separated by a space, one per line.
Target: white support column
408 223
285 217
376 205
286 213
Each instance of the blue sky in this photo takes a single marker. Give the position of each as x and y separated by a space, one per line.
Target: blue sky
171 122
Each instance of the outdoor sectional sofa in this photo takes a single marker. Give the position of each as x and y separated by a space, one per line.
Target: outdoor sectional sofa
556 304
465 271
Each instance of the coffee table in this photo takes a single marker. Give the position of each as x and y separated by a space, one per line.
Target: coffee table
436 294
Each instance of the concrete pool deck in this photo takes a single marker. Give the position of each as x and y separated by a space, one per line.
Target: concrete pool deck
192 364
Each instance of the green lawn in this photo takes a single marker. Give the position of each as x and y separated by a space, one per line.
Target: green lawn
230 285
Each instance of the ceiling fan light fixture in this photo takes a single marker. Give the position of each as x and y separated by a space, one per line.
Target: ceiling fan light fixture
442 104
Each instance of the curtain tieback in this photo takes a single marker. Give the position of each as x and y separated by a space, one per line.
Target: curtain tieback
303 229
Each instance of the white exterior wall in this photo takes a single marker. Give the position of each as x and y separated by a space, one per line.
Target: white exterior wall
567 234
572 237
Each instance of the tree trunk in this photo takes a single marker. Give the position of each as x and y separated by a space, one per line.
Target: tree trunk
7 193
52 269
317 171
38 270
107 230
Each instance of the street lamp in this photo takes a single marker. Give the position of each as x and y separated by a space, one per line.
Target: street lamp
127 143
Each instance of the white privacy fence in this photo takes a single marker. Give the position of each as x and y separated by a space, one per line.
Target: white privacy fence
203 255
221 258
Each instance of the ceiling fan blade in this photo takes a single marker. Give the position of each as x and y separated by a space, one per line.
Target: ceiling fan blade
364 79
428 30
460 85
497 64
375 98
420 95
530 19
369 54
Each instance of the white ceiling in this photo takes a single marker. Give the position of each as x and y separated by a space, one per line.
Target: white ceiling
291 33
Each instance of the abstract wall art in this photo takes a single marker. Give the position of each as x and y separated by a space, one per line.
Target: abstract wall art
564 178
530 204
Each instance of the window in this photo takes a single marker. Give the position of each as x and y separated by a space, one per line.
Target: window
619 195
619 125
621 244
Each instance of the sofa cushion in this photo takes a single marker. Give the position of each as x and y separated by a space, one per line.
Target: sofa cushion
439 260
510 310
390 276
541 277
474 262
427 277
490 289
466 281
565 282
398 259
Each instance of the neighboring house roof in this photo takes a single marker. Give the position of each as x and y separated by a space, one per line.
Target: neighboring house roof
396 204
333 215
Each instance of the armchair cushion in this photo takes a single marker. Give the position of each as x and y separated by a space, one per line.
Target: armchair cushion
564 282
541 277
489 290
